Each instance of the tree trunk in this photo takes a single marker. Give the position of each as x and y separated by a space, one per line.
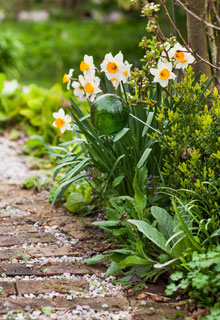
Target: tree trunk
197 35
218 51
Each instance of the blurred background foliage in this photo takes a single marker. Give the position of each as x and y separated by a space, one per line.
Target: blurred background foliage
42 39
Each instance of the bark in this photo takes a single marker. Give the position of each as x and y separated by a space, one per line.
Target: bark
218 50
211 34
197 35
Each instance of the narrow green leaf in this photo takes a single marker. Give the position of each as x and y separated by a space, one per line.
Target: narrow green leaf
120 134
117 181
144 157
149 120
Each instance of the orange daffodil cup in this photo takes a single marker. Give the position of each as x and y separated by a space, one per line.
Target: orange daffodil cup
67 78
163 73
182 58
115 69
62 121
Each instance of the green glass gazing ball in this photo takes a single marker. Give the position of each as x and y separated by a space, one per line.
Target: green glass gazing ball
109 114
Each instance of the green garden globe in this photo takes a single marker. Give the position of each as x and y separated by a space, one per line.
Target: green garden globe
109 114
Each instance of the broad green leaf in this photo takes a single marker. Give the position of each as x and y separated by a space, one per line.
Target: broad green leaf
152 234
3 116
36 121
2 80
180 246
112 269
119 232
36 104
144 157
94 259
74 201
27 113
134 261
120 134
139 185
164 219
117 181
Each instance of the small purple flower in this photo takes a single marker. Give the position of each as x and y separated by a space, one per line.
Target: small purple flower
91 178
150 177
99 215
99 219
156 192
85 172
150 187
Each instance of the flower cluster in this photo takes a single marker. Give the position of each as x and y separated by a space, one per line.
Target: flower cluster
87 85
177 57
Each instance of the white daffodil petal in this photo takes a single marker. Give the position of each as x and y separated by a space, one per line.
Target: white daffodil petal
164 83
56 115
119 57
172 75
68 85
61 113
153 71
68 118
62 129
156 78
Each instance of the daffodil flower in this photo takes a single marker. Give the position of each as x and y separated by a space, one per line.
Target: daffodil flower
125 74
78 90
67 78
163 73
90 86
87 66
181 56
126 71
62 121
113 66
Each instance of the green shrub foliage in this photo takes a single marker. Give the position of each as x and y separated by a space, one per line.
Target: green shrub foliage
190 126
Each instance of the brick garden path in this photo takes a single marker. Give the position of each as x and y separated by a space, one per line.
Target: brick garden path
42 270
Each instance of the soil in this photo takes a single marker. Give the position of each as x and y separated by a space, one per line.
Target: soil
42 252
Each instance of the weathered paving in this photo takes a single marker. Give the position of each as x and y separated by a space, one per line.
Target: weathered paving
43 275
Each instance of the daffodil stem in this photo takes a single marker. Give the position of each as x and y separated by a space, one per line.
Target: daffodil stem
144 123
